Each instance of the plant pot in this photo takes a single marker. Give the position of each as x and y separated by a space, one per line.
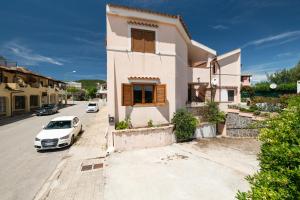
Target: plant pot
206 130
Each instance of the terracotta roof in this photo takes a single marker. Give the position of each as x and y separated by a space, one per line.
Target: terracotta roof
143 78
23 70
142 23
155 13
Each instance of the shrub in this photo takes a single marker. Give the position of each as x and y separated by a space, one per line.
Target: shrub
214 115
150 123
256 113
185 125
279 175
247 92
126 124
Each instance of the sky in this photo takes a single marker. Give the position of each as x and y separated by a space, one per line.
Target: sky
57 37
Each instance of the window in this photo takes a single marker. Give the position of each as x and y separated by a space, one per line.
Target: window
5 79
230 95
214 69
143 94
19 102
2 105
135 94
34 100
142 41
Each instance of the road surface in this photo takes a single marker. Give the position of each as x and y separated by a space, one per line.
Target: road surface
23 169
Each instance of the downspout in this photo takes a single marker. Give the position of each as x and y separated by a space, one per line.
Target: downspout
211 90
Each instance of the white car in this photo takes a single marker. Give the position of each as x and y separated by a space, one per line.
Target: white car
60 132
92 107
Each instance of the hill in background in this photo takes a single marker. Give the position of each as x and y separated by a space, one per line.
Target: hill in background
90 83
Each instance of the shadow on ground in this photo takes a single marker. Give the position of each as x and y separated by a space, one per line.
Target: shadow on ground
16 118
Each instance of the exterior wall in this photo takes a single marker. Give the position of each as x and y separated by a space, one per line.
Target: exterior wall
182 73
27 92
169 63
230 78
143 138
246 80
122 63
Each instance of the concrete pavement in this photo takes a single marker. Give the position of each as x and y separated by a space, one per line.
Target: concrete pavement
80 174
179 172
23 170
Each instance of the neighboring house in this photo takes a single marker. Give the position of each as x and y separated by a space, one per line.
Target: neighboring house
154 67
74 84
23 91
102 91
246 79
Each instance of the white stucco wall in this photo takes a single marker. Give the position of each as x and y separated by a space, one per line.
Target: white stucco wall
169 64
122 63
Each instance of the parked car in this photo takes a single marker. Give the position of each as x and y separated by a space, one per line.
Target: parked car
47 109
92 107
60 132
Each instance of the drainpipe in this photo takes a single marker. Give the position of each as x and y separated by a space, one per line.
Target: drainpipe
211 98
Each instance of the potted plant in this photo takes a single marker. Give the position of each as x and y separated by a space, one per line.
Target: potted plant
215 118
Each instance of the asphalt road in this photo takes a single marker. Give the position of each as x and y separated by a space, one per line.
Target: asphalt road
23 169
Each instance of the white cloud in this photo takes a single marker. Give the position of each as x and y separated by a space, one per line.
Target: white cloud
286 36
220 27
258 78
28 56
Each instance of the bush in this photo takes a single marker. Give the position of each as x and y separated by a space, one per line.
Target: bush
256 113
185 125
150 123
126 124
214 115
279 175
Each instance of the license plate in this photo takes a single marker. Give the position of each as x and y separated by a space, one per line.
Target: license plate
49 143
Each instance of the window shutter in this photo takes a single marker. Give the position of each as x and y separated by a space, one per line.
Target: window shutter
149 41
127 95
137 40
161 94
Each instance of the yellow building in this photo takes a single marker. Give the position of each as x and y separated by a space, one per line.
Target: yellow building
23 91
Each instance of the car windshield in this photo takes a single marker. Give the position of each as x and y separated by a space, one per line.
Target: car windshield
58 125
92 104
48 106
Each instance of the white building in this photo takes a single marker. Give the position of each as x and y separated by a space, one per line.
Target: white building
74 84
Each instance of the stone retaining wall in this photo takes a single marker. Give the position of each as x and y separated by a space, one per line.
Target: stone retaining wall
238 126
140 138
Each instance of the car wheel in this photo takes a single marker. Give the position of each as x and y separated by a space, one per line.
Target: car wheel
80 129
72 140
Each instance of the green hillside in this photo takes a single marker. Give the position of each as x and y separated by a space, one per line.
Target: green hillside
90 83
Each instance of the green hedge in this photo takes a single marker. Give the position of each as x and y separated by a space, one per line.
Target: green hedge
279 175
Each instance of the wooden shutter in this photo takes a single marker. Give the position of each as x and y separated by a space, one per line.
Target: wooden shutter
149 37
127 95
137 40
161 94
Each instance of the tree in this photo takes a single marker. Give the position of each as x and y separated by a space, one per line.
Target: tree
279 175
72 91
91 92
285 75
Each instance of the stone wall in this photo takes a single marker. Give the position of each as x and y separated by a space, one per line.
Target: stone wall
238 126
140 138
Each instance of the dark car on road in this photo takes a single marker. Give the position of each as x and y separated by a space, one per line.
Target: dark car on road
47 109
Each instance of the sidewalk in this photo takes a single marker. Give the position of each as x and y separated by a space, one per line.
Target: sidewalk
79 175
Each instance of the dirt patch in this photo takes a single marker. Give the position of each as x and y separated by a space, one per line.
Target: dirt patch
247 145
176 156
